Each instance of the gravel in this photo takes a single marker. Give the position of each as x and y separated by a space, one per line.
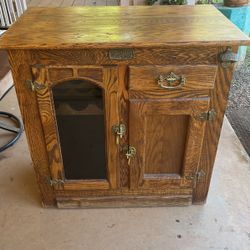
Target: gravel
238 111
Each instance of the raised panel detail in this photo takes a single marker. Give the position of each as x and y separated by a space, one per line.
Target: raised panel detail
165 143
168 141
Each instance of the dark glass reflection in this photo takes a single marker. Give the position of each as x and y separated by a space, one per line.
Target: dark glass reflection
80 119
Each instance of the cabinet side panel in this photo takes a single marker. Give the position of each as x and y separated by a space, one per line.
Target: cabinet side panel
219 97
19 61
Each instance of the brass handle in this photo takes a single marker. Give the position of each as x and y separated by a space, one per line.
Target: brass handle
171 81
130 152
119 131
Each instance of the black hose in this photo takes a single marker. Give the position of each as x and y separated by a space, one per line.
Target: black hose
17 130
6 92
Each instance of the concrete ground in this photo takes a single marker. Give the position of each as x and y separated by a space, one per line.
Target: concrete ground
223 223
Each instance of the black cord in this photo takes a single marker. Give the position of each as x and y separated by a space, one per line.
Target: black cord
17 130
6 92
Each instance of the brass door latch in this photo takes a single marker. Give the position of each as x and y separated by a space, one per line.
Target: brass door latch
130 152
55 182
119 130
206 116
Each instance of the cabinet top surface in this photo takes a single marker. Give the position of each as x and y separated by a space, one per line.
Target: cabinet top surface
135 26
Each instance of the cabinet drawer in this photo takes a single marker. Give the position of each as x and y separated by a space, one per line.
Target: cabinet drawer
165 79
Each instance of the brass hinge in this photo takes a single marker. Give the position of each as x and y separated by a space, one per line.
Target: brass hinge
206 116
196 175
55 182
130 152
228 57
35 86
119 130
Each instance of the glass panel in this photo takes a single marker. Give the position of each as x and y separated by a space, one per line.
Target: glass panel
80 120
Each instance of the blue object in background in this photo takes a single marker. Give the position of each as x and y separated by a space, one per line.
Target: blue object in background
240 16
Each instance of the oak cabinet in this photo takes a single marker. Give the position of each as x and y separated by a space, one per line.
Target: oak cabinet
119 114
160 138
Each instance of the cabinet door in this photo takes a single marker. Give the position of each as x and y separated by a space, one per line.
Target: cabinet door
78 106
167 135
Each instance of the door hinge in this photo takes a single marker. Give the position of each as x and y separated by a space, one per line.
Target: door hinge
130 152
228 57
35 86
196 175
55 182
119 130
206 116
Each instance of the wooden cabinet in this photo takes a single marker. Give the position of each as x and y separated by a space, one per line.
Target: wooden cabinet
114 116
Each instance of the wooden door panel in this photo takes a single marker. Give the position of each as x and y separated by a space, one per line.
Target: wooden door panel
166 155
106 79
168 139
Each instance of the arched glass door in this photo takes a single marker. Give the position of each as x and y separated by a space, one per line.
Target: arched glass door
78 107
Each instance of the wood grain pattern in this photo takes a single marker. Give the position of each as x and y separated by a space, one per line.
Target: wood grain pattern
87 185
113 26
123 117
157 94
167 135
218 101
110 80
156 56
124 191
71 72
48 120
142 201
198 77
19 61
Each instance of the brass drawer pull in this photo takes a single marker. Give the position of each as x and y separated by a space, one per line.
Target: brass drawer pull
171 81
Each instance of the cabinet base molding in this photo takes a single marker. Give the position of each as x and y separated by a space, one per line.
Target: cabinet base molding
121 201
